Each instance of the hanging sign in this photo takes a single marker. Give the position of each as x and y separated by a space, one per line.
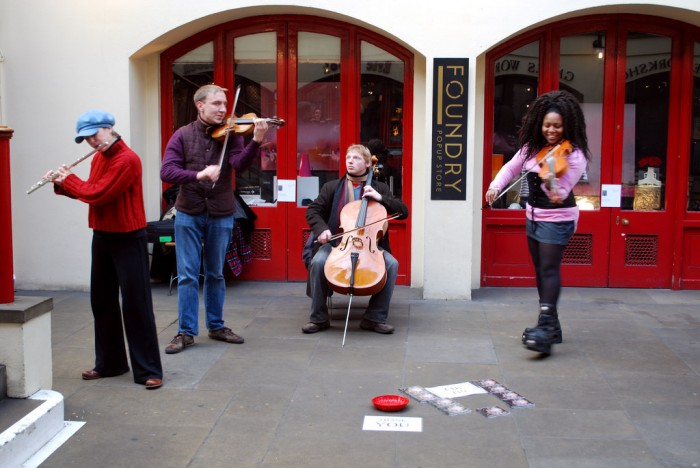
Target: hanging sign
449 134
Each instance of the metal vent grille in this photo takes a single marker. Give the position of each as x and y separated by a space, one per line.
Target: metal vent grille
261 243
579 250
641 250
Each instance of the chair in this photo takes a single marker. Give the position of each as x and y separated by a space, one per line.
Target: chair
162 235
173 272
307 254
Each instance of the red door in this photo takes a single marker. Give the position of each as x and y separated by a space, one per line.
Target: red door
645 130
349 88
334 97
294 72
334 85
626 76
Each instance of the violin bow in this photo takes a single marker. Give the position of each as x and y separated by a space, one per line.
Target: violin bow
339 235
521 177
223 148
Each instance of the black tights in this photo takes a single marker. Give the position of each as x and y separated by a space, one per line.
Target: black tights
547 261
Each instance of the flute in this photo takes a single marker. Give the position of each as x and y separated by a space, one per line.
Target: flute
43 181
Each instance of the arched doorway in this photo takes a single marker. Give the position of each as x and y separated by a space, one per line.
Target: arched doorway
638 198
334 84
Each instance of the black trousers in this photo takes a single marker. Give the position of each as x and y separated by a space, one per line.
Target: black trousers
120 263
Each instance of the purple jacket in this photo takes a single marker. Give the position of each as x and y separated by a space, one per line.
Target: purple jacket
191 149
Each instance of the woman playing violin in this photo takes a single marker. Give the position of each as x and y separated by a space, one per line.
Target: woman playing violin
554 149
323 216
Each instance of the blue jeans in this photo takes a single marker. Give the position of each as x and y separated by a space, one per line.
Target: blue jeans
196 235
378 306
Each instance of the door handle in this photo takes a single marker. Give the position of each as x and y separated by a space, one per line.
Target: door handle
623 221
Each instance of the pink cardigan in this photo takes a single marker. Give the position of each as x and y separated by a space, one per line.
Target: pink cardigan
513 168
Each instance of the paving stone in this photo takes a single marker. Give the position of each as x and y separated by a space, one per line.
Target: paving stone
622 390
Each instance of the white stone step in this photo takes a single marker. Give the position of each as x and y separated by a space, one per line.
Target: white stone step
34 437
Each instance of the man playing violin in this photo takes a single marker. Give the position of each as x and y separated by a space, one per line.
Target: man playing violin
323 216
205 206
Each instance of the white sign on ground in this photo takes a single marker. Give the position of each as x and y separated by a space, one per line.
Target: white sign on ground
456 390
392 423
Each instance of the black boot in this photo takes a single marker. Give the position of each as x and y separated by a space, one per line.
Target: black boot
557 334
546 333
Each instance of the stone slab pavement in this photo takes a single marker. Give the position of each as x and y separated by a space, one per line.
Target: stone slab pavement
622 390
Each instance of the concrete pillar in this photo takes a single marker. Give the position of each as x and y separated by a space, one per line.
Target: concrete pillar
25 345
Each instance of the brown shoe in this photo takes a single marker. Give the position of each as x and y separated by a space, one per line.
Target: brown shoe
312 327
152 384
180 342
225 334
91 375
383 328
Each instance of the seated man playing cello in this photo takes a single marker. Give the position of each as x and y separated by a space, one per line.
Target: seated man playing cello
324 218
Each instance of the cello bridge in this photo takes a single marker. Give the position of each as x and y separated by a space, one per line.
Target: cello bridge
357 243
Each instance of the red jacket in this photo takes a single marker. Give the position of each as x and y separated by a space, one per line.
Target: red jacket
113 190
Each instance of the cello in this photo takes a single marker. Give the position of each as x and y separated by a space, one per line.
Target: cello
356 265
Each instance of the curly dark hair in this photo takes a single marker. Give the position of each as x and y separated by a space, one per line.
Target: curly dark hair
564 104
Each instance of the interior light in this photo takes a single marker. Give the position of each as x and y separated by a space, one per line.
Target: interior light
599 48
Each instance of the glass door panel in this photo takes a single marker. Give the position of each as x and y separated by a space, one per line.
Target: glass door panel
693 202
381 124
381 112
582 68
190 71
516 86
318 113
256 74
646 122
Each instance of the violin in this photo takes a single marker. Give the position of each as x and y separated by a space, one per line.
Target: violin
549 164
554 164
356 265
243 125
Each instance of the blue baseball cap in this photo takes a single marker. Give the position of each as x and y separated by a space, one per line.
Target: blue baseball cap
90 122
